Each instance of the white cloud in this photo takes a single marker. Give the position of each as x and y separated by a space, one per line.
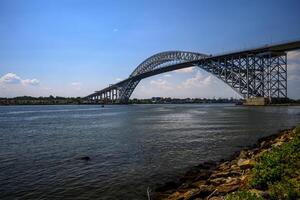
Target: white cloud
12 85
119 79
186 70
12 78
32 82
161 84
199 80
76 85
167 75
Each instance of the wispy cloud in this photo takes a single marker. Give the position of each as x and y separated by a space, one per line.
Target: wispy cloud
76 85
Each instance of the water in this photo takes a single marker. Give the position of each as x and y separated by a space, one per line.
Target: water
131 147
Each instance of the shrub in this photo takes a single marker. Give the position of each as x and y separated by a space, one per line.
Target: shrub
285 190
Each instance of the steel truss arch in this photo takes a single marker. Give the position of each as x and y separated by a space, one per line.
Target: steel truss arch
166 58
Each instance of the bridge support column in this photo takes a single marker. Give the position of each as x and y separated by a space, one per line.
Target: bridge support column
275 75
266 77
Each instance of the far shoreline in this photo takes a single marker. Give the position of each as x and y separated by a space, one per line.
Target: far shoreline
51 100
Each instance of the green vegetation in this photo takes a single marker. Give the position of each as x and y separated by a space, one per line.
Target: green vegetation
285 189
277 172
242 195
278 164
51 100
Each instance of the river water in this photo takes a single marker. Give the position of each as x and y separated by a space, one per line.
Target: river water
131 147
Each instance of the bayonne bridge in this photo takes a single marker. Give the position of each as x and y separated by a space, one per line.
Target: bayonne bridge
256 72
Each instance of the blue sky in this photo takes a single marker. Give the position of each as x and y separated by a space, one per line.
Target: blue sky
74 47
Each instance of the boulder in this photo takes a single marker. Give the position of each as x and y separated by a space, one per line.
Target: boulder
231 186
246 163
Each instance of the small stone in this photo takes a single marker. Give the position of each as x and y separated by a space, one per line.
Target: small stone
246 163
190 194
217 181
199 183
243 154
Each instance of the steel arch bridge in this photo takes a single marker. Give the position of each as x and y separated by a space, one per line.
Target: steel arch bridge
257 72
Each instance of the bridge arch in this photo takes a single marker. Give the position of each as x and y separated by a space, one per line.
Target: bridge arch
160 62
166 58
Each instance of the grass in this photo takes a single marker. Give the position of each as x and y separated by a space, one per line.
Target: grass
277 172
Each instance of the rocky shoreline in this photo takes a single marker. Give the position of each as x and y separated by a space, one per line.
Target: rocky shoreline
214 181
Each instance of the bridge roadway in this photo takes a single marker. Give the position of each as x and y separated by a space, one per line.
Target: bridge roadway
256 61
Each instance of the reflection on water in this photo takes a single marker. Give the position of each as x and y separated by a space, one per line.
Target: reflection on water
131 147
